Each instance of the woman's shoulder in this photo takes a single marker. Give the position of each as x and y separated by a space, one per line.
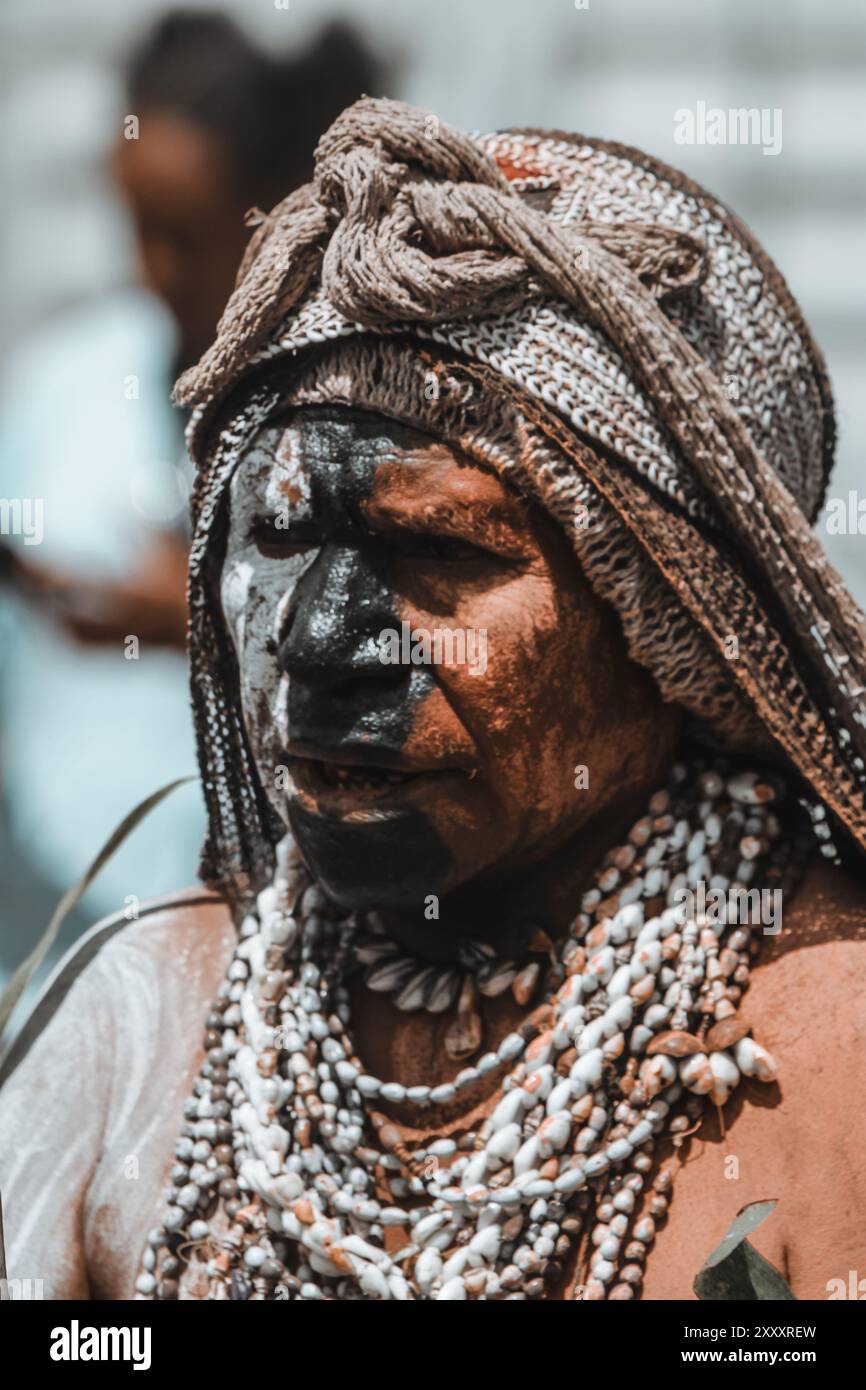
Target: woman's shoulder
822 919
806 1000
832 899
805 1003
95 1080
812 962
193 927
168 953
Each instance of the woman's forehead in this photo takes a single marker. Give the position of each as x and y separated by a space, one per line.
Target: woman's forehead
329 455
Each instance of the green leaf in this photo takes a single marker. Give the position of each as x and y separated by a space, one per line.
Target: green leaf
735 1270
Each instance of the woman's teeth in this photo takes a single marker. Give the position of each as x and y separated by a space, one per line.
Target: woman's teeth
363 778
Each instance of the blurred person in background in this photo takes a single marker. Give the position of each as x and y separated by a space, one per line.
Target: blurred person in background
94 688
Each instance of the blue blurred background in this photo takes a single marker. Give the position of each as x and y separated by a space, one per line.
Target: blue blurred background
116 254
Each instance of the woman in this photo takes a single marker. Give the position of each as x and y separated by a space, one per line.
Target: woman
526 703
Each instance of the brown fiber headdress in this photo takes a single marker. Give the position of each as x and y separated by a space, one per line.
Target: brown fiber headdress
621 330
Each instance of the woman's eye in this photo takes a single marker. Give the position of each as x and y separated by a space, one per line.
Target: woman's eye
278 540
447 549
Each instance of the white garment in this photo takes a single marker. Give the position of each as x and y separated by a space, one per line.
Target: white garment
90 1116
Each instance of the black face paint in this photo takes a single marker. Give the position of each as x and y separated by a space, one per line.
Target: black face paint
340 693
344 704
396 861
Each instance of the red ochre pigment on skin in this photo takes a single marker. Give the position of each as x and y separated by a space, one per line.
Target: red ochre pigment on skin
558 687
394 527
403 529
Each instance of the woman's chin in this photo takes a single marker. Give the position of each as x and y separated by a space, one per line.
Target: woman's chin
373 856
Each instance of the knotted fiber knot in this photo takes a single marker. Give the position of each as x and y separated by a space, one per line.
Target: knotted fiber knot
400 224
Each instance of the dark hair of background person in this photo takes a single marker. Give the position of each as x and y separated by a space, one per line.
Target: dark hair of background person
267 110
223 127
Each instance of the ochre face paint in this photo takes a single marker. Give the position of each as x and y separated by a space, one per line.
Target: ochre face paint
406 779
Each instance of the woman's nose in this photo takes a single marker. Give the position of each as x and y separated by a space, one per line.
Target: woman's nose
332 644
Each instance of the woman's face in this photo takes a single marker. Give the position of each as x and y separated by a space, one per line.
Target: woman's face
431 690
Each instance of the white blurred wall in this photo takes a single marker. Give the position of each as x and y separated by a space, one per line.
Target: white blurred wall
619 68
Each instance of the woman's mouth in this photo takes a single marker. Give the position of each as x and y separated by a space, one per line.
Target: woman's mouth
348 778
324 782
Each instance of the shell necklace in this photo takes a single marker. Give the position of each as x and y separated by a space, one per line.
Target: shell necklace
479 969
285 1145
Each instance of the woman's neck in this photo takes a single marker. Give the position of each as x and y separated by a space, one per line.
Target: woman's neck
505 908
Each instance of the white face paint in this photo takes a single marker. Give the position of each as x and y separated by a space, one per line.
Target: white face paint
269 494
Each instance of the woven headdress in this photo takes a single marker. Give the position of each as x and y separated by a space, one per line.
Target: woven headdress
604 333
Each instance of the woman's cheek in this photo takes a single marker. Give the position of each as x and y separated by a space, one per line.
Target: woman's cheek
512 636
234 596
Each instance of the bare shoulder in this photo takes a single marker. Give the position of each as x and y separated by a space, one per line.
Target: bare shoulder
174 949
802 1140
828 903
186 936
807 1004
180 925
814 968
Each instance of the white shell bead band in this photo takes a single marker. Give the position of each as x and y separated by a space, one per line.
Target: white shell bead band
288 1173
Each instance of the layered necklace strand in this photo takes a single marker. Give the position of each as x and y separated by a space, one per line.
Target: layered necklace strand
285 1143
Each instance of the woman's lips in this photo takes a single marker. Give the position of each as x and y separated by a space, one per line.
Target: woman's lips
324 783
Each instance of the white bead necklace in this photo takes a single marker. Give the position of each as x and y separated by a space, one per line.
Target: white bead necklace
285 1133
